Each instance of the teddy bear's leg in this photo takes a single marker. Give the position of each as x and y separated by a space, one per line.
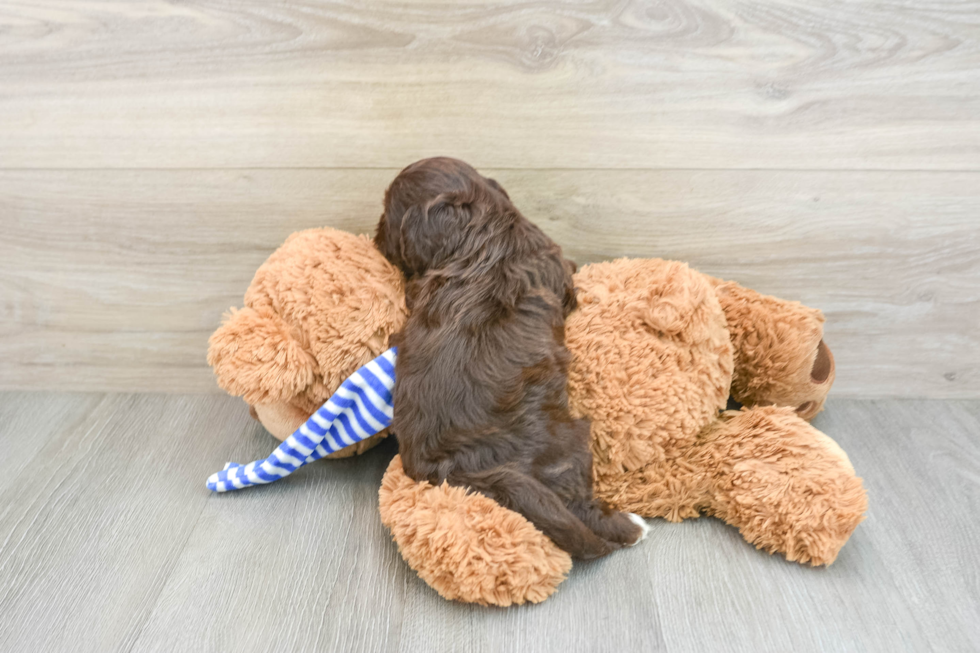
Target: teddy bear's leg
780 356
466 546
786 486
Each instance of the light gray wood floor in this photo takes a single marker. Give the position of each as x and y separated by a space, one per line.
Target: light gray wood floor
109 541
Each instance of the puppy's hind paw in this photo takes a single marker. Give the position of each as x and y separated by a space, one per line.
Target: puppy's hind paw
644 528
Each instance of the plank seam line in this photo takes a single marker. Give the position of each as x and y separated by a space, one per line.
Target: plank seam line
169 574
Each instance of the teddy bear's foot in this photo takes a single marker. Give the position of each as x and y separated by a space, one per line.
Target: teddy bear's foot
466 546
821 377
786 486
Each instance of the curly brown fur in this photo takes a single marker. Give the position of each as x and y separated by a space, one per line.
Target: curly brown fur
481 397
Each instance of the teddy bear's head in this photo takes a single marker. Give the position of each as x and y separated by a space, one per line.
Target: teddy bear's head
321 306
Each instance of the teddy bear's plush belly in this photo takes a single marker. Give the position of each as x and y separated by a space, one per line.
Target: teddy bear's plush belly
651 367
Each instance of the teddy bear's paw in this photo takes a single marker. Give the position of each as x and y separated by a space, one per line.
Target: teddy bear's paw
644 527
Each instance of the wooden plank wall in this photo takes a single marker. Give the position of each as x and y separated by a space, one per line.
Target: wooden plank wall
152 155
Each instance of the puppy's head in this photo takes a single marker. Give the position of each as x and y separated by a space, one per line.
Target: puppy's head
432 208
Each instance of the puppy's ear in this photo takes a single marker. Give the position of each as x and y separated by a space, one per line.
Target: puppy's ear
430 233
569 301
388 238
493 183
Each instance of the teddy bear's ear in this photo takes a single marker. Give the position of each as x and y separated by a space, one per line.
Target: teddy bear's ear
255 356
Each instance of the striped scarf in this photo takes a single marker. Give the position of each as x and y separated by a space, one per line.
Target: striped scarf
361 407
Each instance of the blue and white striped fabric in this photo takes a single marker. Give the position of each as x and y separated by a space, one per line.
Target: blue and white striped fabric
361 407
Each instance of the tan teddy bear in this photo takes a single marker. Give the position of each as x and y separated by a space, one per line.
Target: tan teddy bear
657 350
321 306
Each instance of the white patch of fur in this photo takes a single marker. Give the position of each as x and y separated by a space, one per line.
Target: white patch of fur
639 521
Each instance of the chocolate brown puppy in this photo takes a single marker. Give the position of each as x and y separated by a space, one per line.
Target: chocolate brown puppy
480 396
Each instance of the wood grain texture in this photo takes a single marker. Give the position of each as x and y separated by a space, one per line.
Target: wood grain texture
92 525
597 84
29 422
114 279
152 155
110 542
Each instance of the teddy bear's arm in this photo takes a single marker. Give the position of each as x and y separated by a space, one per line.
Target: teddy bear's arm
785 485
